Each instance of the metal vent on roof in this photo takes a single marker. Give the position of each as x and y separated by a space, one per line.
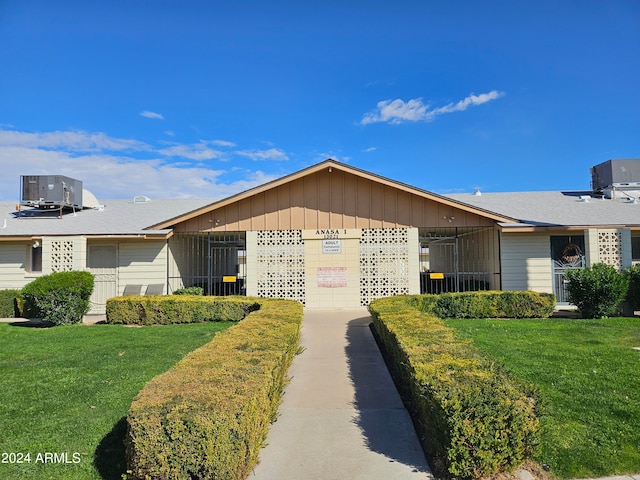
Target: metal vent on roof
141 199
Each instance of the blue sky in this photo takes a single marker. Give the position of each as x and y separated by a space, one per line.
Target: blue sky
209 98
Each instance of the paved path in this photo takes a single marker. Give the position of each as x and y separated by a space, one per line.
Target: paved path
341 416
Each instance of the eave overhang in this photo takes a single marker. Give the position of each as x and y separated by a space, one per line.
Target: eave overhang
529 228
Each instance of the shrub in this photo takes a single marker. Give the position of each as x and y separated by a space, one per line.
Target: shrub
208 416
597 291
474 420
488 304
633 294
9 300
170 309
189 291
60 297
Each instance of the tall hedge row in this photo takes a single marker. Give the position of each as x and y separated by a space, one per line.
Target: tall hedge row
170 309
208 416
473 420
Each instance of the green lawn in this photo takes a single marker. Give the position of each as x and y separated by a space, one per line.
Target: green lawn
64 393
588 378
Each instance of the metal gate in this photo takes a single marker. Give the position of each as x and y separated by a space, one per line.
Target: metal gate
214 261
459 259
225 275
567 253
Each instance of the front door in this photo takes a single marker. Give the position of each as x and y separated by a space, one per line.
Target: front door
567 252
102 262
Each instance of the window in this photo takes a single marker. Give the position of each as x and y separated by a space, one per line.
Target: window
35 260
635 249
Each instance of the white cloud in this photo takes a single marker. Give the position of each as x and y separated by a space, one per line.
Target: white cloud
270 154
121 168
196 151
70 140
370 149
149 114
221 143
398 111
471 100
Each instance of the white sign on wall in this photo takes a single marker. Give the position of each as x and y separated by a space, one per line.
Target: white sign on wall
332 277
332 246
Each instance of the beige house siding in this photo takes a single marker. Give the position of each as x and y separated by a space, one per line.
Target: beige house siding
142 263
526 262
336 199
14 264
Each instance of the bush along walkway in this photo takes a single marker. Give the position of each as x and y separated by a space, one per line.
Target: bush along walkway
341 415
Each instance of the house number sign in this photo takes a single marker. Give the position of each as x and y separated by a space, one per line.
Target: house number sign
331 233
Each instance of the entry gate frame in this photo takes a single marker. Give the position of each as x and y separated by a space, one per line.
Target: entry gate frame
452 237
196 260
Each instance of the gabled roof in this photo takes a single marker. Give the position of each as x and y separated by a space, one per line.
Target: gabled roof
332 164
558 209
118 218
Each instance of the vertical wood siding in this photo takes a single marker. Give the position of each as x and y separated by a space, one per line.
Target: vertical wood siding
335 199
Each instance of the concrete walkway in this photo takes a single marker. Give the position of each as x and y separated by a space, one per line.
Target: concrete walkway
341 416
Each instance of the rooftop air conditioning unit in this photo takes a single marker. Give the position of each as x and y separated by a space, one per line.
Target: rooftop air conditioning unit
616 173
50 191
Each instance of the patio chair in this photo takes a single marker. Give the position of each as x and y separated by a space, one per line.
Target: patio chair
132 289
155 289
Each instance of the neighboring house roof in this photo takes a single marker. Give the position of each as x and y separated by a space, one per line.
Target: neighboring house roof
563 209
117 218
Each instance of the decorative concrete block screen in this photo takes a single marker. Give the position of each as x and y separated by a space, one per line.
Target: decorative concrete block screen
280 264
610 247
384 263
61 256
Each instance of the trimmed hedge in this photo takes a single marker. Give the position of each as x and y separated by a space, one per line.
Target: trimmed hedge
59 297
189 291
597 290
208 416
9 300
633 294
488 304
170 309
473 419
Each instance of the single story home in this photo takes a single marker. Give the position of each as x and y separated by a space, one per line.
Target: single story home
330 236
